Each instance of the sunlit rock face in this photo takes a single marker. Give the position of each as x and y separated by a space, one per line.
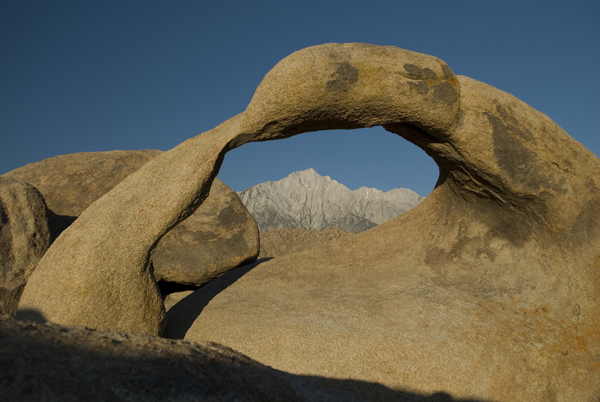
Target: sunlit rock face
217 237
488 289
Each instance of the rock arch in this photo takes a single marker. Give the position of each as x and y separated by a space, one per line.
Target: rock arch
514 216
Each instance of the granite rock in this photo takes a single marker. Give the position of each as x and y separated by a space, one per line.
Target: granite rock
219 236
42 362
24 238
279 242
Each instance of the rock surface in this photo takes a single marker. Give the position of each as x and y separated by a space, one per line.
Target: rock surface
278 242
40 362
307 200
488 289
219 236
71 183
24 238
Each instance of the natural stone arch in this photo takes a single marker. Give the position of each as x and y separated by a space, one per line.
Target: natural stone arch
528 193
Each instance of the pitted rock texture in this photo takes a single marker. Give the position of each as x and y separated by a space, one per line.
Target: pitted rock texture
488 289
24 238
278 242
219 236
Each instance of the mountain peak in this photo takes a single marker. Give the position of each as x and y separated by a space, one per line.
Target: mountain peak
309 178
308 174
309 200
368 192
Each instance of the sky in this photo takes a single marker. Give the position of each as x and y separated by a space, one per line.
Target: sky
86 76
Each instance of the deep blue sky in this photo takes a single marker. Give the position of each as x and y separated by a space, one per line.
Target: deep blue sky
102 75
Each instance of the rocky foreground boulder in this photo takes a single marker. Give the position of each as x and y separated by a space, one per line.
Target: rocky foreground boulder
488 289
46 362
24 238
219 236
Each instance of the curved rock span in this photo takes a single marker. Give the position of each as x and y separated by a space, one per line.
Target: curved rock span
217 237
489 288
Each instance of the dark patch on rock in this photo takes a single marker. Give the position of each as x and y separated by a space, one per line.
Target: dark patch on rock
587 226
514 158
417 73
512 230
196 237
345 76
31 315
230 216
504 113
476 275
445 92
421 87
448 73
475 262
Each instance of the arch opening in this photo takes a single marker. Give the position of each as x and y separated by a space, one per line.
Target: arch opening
268 176
371 157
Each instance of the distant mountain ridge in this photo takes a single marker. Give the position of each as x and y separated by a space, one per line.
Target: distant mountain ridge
306 199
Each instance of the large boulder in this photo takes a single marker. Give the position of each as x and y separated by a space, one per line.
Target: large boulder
219 236
71 183
44 362
488 289
24 238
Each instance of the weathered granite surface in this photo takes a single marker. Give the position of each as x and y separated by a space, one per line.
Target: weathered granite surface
278 242
219 236
49 362
24 238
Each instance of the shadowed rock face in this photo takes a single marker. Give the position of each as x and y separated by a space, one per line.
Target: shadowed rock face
63 363
489 288
52 362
